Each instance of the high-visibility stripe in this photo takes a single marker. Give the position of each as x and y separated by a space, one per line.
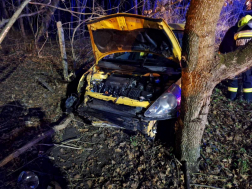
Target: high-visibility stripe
247 90
142 53
232 89
246 33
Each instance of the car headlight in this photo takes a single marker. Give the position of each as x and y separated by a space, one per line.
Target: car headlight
167 105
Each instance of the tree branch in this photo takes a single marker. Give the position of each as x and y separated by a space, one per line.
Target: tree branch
66 10
4 21
12 20
164 7
234 63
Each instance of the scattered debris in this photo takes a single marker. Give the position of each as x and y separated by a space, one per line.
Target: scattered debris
36 140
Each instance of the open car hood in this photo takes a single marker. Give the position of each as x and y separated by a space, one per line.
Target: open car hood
132 33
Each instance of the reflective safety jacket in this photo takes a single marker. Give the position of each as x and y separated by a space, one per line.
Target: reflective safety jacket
243 37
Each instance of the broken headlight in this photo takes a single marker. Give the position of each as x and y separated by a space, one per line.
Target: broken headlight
167 105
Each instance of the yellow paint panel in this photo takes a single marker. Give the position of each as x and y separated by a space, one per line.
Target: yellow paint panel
131 102
149 128
99 76
119 100
121 22
131 22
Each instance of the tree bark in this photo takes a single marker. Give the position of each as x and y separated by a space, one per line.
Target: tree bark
12 20
197 80
202 70
46 20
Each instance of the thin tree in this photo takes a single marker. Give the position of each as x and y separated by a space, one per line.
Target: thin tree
202 70
21 24
46 19
12 20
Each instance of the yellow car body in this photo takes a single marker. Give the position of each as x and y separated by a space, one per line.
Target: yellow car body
118 35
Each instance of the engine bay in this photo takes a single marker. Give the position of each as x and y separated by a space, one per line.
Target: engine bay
143 88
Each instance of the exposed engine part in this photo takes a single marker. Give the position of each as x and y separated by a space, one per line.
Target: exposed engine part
143 88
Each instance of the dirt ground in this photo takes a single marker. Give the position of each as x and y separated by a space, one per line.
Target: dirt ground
84 156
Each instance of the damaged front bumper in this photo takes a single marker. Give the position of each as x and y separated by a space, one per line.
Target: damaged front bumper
122 116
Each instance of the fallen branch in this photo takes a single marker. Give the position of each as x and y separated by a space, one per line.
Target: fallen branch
45 84
40 137
4 21
12 20
66 146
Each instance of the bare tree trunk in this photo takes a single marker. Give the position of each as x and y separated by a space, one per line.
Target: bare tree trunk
5 12
21 24
12 20
79 10
71 23
47 17
197 80
29 20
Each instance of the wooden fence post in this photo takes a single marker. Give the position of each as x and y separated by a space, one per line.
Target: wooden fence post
63 50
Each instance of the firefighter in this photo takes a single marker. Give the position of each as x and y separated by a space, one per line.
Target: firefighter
237 36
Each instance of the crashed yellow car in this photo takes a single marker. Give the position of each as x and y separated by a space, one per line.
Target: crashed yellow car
135 80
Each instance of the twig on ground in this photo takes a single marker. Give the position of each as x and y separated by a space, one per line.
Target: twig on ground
207 175
206 186
62 145
76 139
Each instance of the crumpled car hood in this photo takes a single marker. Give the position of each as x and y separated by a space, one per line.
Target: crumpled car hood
132 33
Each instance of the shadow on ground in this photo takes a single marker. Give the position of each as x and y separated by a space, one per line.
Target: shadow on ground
166 132
18 126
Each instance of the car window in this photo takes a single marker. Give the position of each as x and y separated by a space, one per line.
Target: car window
179 34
